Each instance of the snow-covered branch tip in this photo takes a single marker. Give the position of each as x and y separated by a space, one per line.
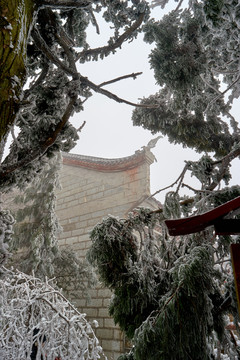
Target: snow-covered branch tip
42 322
117 43
110 95
40 149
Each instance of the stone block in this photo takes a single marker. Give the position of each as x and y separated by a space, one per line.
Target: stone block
97 303
104 334
112 345
91 313
103 312
72 240
106 302
80 303
77 232
109 323
104 293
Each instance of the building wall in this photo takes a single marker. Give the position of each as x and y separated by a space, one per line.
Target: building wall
87 196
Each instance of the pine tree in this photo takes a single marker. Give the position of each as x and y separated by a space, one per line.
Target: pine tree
41 42
173 295
45 49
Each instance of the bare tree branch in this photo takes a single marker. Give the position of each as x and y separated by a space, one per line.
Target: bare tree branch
179 179
133 75
225 91
178 6
112 96
196 190
65 3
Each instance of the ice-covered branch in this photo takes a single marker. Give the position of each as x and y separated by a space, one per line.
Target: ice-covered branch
118 42
40 149
133 75
41 44
65 3
224 167
42 322
110 95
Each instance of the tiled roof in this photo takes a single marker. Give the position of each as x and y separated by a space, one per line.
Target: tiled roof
109 165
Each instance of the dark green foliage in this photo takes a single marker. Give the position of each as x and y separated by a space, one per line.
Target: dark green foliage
212 9
180 328
187 60
178 57
115 254
170 294
227 194
182 125
36 231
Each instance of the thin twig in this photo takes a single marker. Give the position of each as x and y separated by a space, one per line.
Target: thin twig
110 95
225 91
178 6
181 176
224 165
54 309
211 86
195 190
133 75
39 80
94 21
81 127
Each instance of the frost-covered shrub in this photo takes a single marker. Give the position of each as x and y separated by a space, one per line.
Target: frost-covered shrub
37 320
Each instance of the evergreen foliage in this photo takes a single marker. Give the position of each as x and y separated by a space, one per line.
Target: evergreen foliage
41 88
191 64
173 295
35 236
50 44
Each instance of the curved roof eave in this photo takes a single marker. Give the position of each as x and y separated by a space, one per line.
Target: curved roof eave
109 165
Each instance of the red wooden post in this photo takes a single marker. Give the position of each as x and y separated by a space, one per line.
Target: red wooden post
223 226
235 255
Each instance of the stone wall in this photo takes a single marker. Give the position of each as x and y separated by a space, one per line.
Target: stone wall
93 188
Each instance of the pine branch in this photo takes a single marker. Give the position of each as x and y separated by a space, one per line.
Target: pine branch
65 3
112 96
41 44
41 148
39 80
179 179
133 75
118 42
71 70
224 166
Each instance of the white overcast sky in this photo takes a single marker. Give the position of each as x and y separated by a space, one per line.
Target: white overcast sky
109 131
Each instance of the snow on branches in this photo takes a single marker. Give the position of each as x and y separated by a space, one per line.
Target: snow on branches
6 223
37 320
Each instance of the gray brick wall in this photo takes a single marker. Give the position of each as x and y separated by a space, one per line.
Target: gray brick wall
86 197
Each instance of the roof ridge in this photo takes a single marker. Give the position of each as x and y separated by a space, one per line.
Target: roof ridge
109 164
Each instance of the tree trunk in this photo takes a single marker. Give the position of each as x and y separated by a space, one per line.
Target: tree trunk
16 18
